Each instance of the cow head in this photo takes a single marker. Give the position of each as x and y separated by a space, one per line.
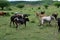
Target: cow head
26 15
27 19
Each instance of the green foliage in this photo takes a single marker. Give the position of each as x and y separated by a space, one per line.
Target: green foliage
20 5
4 4
57 4
9 9
38 7
7 14
12 12
46 6
47 1
32 21
32 8
3 0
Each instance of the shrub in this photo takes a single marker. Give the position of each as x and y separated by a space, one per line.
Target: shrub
12 12
9 9
7 14
38 7
57 4
32 21
32 8
20 5
46 6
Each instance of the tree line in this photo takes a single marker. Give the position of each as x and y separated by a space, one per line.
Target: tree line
6 3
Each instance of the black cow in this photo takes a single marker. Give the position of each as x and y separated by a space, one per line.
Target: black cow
19 20
12 19
58 21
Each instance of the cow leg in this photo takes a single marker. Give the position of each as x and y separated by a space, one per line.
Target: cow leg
58 27
13 23
42 22
25 24
10 23
39 22
49 23
16 25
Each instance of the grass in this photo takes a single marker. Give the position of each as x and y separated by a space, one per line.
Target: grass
32 31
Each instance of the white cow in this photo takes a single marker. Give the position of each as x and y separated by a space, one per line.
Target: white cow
46 19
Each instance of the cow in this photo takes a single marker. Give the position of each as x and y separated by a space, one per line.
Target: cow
2 13
58 22
19 19
47 19
40 15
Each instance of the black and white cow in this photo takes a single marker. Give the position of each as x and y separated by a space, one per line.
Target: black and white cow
19 19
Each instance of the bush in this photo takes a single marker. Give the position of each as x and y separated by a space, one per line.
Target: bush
20 5
7 14
12 12
32 21
46 6
32 8
57 4
38 7
9 9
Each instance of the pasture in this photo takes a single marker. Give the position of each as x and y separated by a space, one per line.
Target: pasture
32 31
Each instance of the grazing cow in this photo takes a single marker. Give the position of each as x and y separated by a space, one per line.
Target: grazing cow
19 19
58 21
2 13
47 19
40 15
55 15
17 15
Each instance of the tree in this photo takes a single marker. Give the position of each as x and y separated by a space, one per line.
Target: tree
47 1
4 4
57 4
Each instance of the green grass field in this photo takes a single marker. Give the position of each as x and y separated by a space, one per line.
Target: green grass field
32 31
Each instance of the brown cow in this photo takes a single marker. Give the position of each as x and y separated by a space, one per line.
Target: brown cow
2 13
42 14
